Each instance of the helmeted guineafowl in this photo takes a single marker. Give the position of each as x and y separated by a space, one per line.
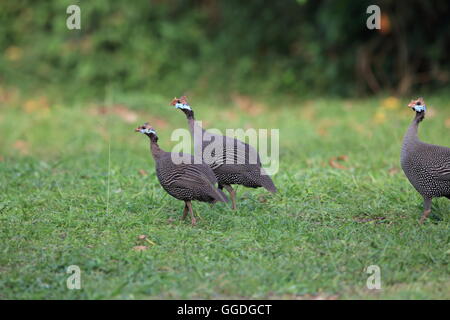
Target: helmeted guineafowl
233 161
183 181
426 166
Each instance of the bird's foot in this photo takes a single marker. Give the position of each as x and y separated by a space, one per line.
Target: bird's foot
424 216
193 221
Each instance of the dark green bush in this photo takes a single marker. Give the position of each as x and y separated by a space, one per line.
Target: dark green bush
300 47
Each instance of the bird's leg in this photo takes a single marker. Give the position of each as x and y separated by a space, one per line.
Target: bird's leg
185 211
191 212
426 209
232 195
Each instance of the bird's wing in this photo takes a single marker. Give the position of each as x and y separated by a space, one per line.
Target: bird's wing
443 169
230 151
189 175
444 172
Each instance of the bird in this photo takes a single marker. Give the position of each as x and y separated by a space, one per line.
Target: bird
183 180
233 161
426 166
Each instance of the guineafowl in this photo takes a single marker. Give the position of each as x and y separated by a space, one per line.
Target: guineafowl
426 166
233 161
183 181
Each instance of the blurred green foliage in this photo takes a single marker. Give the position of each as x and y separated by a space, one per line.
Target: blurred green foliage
291 46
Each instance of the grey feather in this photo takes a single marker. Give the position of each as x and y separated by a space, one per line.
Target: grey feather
236 162
426 166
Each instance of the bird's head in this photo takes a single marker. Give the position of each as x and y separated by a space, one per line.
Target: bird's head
418 105
183 105
147 129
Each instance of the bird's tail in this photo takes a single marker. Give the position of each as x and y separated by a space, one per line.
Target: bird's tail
219 196
267 183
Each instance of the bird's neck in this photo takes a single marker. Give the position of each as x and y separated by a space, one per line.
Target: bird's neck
411 137
192 123
154 148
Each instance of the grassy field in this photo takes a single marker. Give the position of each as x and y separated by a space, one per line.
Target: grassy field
78 188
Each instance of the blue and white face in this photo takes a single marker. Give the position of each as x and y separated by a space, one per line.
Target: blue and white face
420 108
181 103
146 129
183 106
418 105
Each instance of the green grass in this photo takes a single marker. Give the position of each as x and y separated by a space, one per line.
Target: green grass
72 194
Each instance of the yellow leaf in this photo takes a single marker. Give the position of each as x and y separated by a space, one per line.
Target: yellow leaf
390 103
13 53
380 117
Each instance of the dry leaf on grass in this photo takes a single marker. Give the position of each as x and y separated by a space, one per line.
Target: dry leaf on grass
36 105
140 248
379 117
323 126
119 110
248 105
334 162
13 53
128 115
22 146
393 171
390 103
143 237
143 173
447 122
171 220
228 115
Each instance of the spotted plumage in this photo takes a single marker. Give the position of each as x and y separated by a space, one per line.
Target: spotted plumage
183 180
426 166
234 162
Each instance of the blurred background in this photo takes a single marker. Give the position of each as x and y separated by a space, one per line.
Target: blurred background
78 185
291 47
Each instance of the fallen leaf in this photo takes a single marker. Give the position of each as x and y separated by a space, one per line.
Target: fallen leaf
307 112
248 105
447 122
119 110
140 248
334 162
393 171
22 147
13 53
379 117
36 105
228 115
8 95
171 220
127 115
390 103
323 125
143 173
